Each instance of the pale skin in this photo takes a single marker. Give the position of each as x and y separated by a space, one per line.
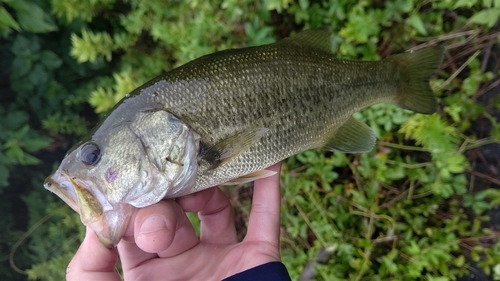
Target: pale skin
160 242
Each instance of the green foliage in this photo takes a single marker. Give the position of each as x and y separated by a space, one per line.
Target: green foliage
45 95
488 16
30 17
65 124
104 98
91 45
17 143
405 211
73 9
64 228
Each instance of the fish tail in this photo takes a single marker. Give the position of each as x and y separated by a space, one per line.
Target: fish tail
416 68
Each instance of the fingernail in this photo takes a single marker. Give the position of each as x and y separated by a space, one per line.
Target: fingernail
153 224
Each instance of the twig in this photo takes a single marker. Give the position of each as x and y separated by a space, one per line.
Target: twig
366 260
432 42
422 195
409 166
479 143
486 177
21 240
486 56
482 91
460 69
385 239
308 222
401 146
394 200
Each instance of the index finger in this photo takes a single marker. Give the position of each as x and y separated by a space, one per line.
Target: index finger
93 261
264 221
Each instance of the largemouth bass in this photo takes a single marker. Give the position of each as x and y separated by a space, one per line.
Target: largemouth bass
224 117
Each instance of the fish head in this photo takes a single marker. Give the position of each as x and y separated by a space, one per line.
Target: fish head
127 163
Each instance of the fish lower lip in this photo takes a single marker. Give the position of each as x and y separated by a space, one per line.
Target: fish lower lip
112 225
109 224
90 208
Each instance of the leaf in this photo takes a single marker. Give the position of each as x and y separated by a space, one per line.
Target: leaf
91 45
432 132
50 60
390 265
360 26
22 46
28 159
459 261
464 3
413 248
31 17
15 119
416 22
38 75
496 271
7 21
456 163
36 143
487 17
102 99
480 206
21 66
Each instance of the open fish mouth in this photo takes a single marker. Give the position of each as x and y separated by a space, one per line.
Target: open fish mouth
108 222
76 196
60 184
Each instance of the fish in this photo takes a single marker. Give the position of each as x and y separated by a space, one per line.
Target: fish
223 118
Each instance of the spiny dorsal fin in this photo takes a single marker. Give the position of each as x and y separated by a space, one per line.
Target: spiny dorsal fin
231 147
250 177
352 137
319 38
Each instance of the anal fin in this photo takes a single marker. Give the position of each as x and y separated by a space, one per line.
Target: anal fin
352 137
250 177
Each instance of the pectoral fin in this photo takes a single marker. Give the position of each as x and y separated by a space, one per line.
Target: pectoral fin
352 137
231 147
250 177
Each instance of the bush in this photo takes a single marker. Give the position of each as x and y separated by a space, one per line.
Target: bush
408 210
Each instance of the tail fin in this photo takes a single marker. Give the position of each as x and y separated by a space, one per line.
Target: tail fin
416 68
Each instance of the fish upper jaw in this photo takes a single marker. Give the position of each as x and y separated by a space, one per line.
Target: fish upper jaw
60 184
109 222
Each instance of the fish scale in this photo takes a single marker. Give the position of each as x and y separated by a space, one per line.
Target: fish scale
314 94
223 118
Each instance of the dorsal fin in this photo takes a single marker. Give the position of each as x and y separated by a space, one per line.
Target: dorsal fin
319 38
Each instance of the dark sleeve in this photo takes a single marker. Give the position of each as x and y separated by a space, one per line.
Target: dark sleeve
272 271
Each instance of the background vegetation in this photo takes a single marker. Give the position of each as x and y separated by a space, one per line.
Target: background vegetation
420 206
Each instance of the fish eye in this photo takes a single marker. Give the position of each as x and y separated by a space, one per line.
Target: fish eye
90 154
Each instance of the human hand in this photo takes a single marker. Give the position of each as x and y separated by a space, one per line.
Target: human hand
160 242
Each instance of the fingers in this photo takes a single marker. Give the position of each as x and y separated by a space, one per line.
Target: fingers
159 230
93 261
216 215
264 221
